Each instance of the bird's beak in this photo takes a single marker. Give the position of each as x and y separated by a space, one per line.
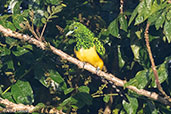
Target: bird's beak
69 33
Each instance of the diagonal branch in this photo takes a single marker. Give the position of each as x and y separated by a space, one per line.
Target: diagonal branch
11 107
152 61
90 68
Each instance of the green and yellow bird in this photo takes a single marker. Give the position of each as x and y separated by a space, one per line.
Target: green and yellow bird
87 45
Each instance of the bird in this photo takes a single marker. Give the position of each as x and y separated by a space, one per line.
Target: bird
88 47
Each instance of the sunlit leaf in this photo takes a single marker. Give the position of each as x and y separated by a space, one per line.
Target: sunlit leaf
67 91
123 23
106 98
131 107
84 89
55 76
113 28
22 92
167 29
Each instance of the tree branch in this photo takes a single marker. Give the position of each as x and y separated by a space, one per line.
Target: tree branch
90 68
11 107
152 61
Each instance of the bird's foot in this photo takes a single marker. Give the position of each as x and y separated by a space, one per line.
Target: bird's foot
84 63
97 70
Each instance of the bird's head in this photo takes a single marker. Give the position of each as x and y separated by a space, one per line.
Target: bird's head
77 28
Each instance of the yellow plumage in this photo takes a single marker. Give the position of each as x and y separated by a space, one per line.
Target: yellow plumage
90 56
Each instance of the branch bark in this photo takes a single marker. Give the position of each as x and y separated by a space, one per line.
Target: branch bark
11 107
153 66
90 68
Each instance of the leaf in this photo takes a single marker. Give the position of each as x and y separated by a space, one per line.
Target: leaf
106 98
16 9
84 89
83 99
162 74
46 14
132 106
8 95
10 25
113 28
150 108
140 80
22 92
123 23
4 51
39 74
143 77
167 30
159 22
168 16
55 76
67 102
133 15
43 20
48 9
17 21
20 51
11 41
67 91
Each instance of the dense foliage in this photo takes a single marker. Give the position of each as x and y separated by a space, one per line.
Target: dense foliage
29 75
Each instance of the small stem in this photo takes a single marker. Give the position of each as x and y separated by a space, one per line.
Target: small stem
152 61
121 6
43 30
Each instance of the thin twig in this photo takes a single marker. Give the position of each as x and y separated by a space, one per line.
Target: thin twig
90 68
43 30
121 6
152 61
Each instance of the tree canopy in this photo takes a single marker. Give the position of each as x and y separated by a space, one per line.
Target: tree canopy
38 66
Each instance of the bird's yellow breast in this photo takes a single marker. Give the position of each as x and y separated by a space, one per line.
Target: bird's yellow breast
90 56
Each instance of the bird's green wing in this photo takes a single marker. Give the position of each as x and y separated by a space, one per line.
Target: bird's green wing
99 46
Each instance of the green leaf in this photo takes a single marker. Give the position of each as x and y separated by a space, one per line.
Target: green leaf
10 26
22 92
48 9
20 51
106 98
162 74
67 102
8 95
84 89
46 14
123 23
132 106
167 30
152 19
11 41
159 22
39 74
53 2
4 51
55 76
133 15
83 99
150 108
113 28
17 21
141 79
168 16
43 20
16 9
67 91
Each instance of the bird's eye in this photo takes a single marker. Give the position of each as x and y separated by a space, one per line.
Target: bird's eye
75 27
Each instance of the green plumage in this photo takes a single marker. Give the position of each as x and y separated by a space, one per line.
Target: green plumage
85 38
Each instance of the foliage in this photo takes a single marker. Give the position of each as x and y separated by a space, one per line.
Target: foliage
29 75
